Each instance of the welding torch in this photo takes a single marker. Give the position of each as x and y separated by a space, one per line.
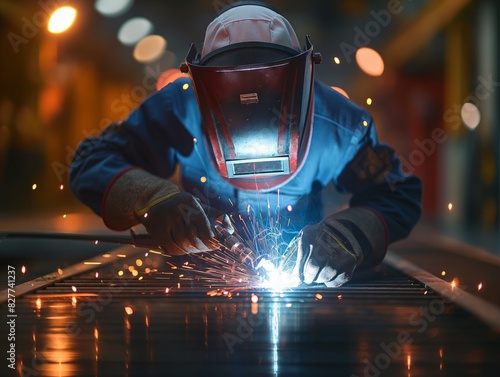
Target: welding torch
235 243
232 241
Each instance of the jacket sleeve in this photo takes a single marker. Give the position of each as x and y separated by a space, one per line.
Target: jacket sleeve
375 178
149 139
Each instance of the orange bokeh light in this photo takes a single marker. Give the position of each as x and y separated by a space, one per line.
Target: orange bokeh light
341 91
168 76
370 61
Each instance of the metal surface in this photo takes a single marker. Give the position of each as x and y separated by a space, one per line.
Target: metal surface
165 320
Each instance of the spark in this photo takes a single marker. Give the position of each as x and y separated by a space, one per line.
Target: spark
73 288
254 298
369 101
288 305
479 286
365 123
34 186
138 262
226 270
319 296
60 271
64 216
336 60
129 310
450 206
443 273
454 283
23 269
61 187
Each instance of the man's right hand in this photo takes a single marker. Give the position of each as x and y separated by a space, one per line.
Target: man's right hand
175 220
179 225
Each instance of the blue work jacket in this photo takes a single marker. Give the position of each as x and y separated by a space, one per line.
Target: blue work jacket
165 131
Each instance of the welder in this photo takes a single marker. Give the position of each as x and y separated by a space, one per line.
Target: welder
251 129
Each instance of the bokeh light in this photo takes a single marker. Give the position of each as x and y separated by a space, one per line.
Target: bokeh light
168 76
370 61
470 115
133 30
113 8
341 91
61 19
150 48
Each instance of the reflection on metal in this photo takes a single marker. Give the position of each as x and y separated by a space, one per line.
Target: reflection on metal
485 311
379 322
69 271
275 334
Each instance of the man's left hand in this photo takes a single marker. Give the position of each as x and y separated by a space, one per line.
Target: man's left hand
330 251
321 258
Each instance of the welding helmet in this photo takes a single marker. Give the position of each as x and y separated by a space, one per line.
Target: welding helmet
254 87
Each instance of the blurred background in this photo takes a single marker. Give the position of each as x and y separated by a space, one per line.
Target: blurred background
427 70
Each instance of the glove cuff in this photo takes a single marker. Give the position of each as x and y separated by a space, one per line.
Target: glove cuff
131 195
363 231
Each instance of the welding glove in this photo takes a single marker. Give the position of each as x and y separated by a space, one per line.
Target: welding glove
330 251
174 219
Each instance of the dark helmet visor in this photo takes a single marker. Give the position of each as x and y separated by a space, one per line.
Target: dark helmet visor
256 104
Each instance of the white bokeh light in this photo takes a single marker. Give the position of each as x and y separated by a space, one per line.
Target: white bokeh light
113 8
133 30
470 115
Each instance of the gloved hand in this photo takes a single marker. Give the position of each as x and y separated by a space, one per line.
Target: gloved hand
330 251
174 219
179 225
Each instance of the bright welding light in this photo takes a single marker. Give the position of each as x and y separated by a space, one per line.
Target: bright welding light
274 278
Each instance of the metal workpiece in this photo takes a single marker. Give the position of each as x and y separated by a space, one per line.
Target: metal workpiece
137 312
